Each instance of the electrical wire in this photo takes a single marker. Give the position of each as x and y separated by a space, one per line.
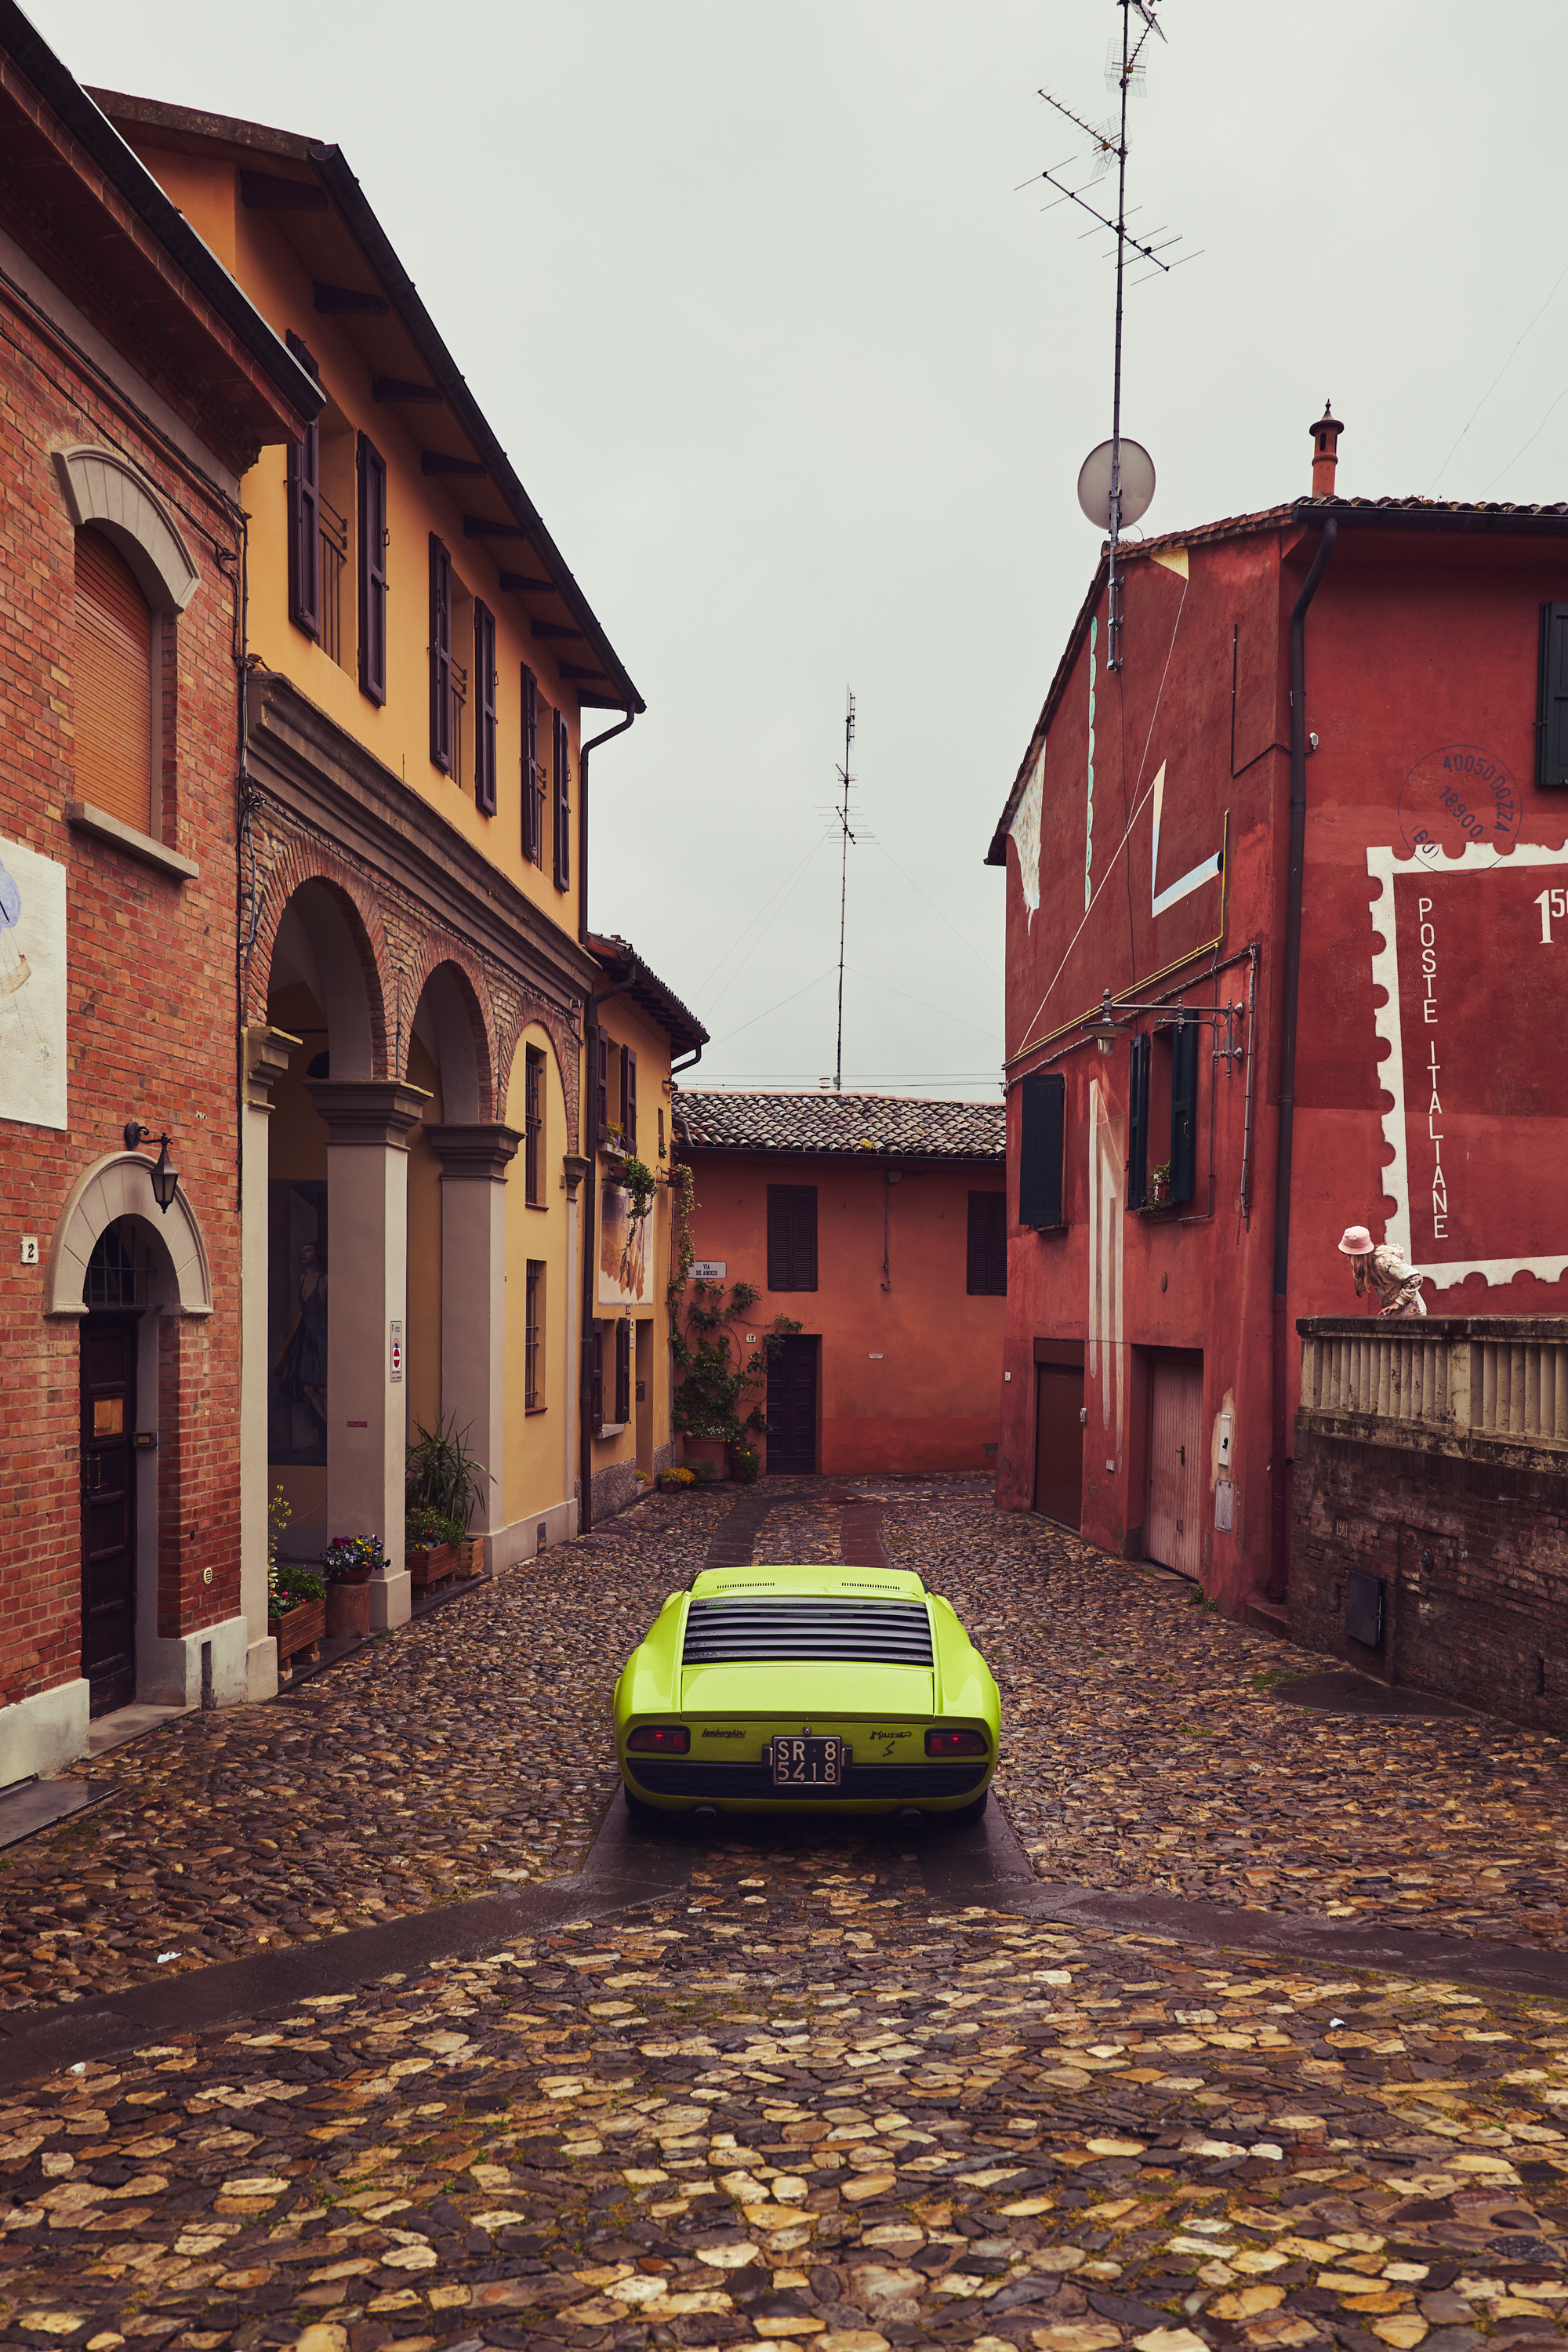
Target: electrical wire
1534 437
786 885
779 1006
1492 387
939 1010
936 911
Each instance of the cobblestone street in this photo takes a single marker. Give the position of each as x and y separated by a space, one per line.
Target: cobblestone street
813 2097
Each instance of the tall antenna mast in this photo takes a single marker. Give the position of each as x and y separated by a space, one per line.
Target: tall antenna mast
843 815
1105 496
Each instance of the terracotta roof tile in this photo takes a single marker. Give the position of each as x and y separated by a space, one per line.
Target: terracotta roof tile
895 1126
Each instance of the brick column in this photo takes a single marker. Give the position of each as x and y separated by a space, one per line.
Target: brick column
368 1125
474 1162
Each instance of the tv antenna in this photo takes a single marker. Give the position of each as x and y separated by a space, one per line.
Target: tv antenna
1117 481
842 813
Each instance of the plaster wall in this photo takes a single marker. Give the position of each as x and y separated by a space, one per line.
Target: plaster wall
537 1476
910 1373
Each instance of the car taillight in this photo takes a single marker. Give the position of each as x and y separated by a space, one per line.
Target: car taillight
659 1740
956 1743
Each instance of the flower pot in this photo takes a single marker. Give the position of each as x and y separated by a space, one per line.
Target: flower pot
432 1565
348 1606
708 1457
745 1464
298 1630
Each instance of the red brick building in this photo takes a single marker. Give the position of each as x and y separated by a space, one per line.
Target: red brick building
1325 788
878 1224
139 386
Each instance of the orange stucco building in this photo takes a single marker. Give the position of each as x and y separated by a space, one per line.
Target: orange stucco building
878 1224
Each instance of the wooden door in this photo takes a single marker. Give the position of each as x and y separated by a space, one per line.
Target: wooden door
1174 1527
791 1407
1058 1443
108 1509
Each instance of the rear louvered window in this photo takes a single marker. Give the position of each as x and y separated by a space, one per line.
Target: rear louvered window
869 1632
113 685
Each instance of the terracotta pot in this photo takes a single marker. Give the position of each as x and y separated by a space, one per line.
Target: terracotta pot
298 1630
348 1605
708 1457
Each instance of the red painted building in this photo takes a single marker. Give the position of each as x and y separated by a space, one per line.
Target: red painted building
878 1225
1178 1183
139 384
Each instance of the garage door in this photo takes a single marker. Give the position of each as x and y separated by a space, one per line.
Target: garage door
1173 1522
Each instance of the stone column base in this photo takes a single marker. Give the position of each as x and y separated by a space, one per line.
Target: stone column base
44 1733
172 1671
261 1669
391 1599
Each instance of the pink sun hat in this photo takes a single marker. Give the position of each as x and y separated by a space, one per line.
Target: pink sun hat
1356 1242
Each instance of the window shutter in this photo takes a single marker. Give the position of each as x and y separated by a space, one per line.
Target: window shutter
1042 1122
779 1222
629 1119
1552 700
114 681
372 472
996 1221
441 655
305 532
596 1379
602 1086
623 1370
529 766
485 705
805 1237
562 805
1138 1123
1184 1111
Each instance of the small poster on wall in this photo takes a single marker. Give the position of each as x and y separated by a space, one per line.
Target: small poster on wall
32 987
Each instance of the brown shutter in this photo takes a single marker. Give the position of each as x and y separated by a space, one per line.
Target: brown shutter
485 709
530 844
305 532
562 804
623 1370
988 1277
629 1119
779 1253
441 655
113 685
596 1379
602 1084
372 472
805 1237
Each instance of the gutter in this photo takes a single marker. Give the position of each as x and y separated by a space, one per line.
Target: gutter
1280 1465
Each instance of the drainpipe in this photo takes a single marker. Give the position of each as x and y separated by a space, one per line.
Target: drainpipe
590 1253
1279 1543
583 750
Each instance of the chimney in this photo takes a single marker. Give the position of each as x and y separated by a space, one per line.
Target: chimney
1326 433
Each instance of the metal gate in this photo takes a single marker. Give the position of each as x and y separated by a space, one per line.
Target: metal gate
1174 1526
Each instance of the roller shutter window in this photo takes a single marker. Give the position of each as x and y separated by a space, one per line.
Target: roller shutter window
1552 701
533 848
987 1275
1042 1123
113 685
372 486
623 1372
792 1237
1184 1111
563 804
1138 1125
485 709
441 655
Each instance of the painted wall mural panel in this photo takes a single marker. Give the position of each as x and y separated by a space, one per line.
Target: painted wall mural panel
32 987
1474 964
626 1251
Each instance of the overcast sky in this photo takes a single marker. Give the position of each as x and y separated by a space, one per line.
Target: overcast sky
801 385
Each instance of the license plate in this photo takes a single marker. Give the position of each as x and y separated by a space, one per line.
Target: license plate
809 1763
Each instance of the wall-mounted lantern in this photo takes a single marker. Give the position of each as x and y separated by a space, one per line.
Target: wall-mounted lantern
166 1178
1105 1028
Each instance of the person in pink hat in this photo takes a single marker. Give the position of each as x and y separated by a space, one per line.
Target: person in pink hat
1380 1266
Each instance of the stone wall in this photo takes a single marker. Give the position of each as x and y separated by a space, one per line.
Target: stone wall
1469 1536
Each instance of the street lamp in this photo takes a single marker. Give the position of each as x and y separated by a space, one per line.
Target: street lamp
166 1179
1105 1028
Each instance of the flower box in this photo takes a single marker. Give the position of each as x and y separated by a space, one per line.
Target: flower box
471 1556
432 1564
298 1630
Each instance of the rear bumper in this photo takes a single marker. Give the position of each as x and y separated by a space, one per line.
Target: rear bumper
674 1784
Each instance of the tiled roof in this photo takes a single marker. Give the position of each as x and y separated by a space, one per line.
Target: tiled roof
624 966
895 1126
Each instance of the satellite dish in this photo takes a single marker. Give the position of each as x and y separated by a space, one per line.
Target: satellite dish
1137 483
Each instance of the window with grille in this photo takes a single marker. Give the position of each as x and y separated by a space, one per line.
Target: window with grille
988 1275
113 679
533 1338
533 1127
116 1276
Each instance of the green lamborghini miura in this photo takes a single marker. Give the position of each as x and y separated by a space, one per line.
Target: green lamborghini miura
831 1690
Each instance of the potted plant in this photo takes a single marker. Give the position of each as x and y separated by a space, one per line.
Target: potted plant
745 1461
348 1564
676 1482
296 1609
718 1403
444 1484
1160 1185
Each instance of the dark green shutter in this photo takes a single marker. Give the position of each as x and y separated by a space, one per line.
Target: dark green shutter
441 655
1184 1111
484 708
530 844
1138 1125
1552 700
372 473
1042 1127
